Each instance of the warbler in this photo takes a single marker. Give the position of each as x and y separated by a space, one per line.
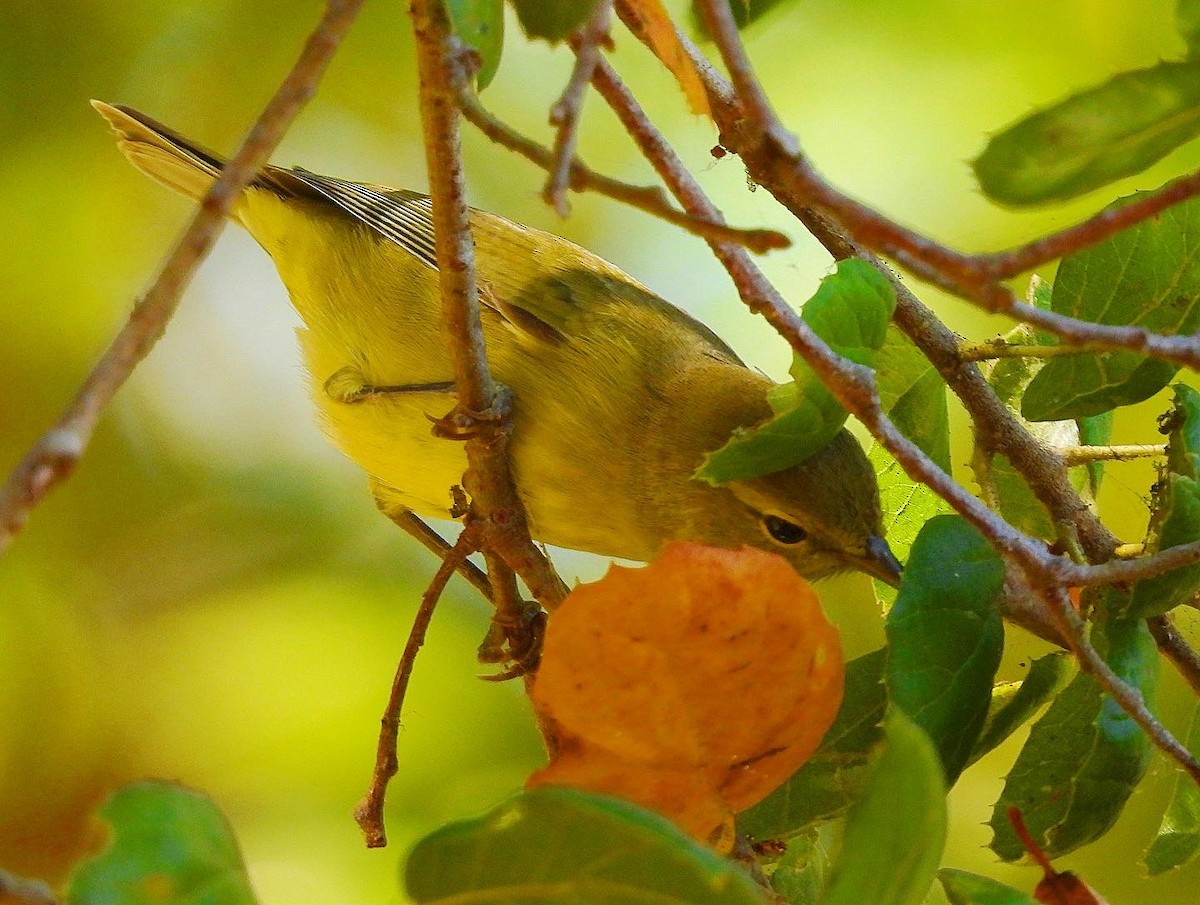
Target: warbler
617 394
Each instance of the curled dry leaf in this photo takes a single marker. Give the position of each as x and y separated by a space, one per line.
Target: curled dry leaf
655 22
694 686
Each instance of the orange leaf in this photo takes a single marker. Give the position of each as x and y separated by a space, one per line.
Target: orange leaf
695 686
655 23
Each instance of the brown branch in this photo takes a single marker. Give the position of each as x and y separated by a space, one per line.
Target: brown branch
1001 265
58 451
718 17
852 384
1020 607
648 199
854 388
756 129
1129 699
566 112
1176 649
368 814
482 416
999 430
1123 571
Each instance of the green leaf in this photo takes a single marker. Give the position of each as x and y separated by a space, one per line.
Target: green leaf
1178 837
895 833
1183 449
850 311
1085 756
552 20
1148 275
564 845
1014 703
1095 430
799 876
480 24
1178 510
1094 137
1187 22
802 426
907 505
913 394
833 777
945 637
170 845
1175 515
963 888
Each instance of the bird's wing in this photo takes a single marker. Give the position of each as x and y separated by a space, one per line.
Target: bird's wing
404 217
548 289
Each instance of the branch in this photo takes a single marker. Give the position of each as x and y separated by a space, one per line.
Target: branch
999 429
852 384
1080 455
1176 649
1122 571
649 199
1001 265
482 416
369 812
756 129
991 349
565 114
854 388
55 455
1128 698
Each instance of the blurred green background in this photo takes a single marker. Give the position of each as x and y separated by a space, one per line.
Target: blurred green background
212 598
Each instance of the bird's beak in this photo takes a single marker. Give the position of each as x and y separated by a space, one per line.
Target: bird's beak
880 562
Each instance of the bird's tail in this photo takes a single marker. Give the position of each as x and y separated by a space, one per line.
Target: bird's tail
161 153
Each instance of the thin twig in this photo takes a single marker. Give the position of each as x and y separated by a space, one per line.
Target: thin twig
369 812
718 17
1123 571
1081 455
55 455
854 387
997 348
566 112
482 416
1128 698
409 522
1176 649
1001 265
757 130
648 199
998 427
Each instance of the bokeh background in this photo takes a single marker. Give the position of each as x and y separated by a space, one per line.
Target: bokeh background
212 598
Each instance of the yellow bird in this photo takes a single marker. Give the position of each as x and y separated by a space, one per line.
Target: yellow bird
617 393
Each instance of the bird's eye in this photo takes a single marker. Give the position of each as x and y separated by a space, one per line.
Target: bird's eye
784 531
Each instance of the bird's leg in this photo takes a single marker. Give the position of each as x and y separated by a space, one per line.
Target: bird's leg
349 385
518 625
412 524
